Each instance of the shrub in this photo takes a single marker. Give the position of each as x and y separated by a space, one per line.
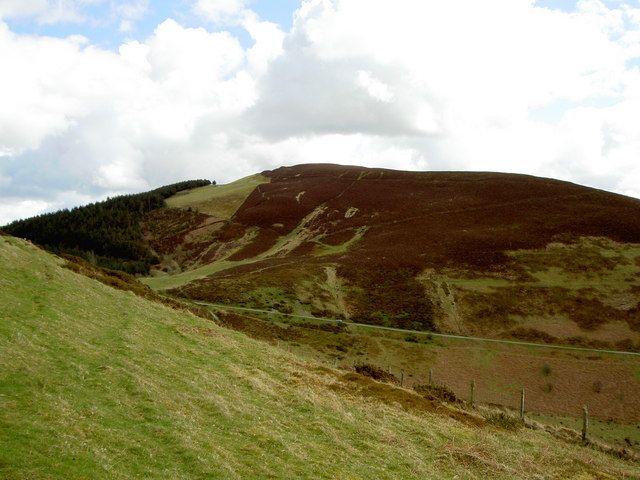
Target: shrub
286 308
626 344
597 386
532 335
504 421
546 370
374 372
436 393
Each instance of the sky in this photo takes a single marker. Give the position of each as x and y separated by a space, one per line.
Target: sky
106 97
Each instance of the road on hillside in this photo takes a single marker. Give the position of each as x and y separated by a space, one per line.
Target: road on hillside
419 332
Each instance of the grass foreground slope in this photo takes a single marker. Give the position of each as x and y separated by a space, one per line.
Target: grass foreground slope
99 383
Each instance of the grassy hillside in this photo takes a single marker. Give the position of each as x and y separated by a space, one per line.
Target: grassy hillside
99 383
557 382
194 231
220 201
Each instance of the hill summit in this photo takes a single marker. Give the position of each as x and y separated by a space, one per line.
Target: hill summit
474 253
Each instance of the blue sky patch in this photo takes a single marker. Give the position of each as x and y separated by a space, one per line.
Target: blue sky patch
102 22
562 5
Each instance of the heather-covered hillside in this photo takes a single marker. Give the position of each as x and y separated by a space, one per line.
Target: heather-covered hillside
482 253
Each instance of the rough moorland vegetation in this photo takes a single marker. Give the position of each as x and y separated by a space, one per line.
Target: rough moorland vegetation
472 253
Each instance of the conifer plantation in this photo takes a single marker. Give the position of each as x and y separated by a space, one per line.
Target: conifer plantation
108 233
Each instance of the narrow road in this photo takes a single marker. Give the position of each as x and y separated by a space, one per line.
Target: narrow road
418 332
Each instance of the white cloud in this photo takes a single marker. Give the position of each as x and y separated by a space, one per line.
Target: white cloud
219 11
460 87
353 149
46 11
495 85
374 87
22 8
37 95
81 117
268 39
16 209
129 13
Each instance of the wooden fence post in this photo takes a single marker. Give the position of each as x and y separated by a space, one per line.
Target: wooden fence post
473 393
522 404
430 376
585 424
401 377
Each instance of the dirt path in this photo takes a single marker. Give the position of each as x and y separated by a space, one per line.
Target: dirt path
421 332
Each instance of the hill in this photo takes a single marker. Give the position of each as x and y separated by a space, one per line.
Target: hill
100 383
107 233
488 254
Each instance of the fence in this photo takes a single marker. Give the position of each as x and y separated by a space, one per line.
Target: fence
470 400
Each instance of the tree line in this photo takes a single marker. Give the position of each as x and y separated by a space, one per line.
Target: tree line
107 233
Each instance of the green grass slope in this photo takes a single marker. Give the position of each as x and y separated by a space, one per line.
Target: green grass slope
220 201
99 383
